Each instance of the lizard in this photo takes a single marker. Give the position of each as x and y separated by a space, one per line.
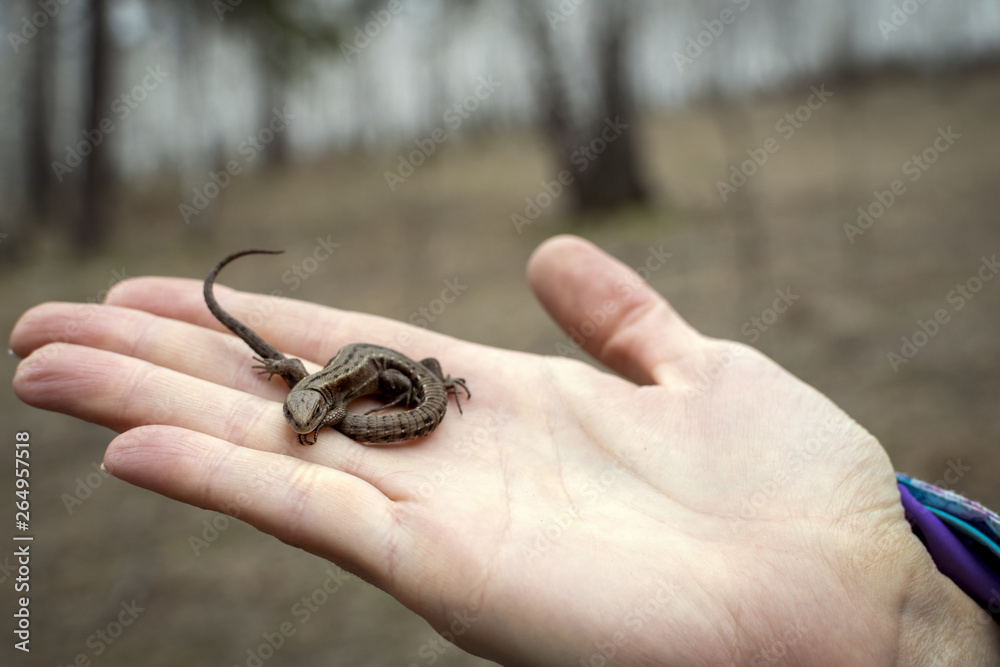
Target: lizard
358 369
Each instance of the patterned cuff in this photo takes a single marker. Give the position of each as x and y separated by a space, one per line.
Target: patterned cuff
962 537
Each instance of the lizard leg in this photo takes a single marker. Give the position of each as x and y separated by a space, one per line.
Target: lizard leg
450 383
434 366
335 415
394 387
290 370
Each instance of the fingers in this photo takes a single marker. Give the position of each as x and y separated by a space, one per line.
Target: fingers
122 393
186 348
609 310
325 511
299 328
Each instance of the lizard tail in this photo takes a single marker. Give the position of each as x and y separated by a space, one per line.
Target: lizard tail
256 343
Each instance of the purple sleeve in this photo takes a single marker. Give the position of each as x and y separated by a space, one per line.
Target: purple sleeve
953 558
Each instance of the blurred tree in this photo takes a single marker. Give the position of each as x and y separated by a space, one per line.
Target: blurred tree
283 39
90 226
285 35
738 131
37 156
594 141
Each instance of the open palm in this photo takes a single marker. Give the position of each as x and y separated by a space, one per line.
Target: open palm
710 509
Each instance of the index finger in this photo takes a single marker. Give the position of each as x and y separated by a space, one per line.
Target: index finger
300 328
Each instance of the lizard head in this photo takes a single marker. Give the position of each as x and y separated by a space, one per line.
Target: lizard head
307 410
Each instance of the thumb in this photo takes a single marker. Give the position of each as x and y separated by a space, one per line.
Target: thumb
610 311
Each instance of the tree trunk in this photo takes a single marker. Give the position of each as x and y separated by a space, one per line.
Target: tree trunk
38 158
273 101
750 231
275 57
610 178
599 151
550 91
91 226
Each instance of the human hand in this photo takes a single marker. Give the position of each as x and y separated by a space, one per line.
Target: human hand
709 509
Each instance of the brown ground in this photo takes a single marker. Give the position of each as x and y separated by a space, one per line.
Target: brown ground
453 219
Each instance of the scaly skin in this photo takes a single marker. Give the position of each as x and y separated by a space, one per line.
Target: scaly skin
359 369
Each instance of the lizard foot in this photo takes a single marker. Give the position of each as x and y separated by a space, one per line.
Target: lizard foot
286 368
451 385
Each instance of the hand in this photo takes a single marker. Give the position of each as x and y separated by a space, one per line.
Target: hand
710 509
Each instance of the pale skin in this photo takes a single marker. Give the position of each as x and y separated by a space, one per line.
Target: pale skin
707 509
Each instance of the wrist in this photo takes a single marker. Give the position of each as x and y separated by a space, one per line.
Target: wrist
938 623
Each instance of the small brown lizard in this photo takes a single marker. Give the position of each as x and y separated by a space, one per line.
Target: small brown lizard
358 369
